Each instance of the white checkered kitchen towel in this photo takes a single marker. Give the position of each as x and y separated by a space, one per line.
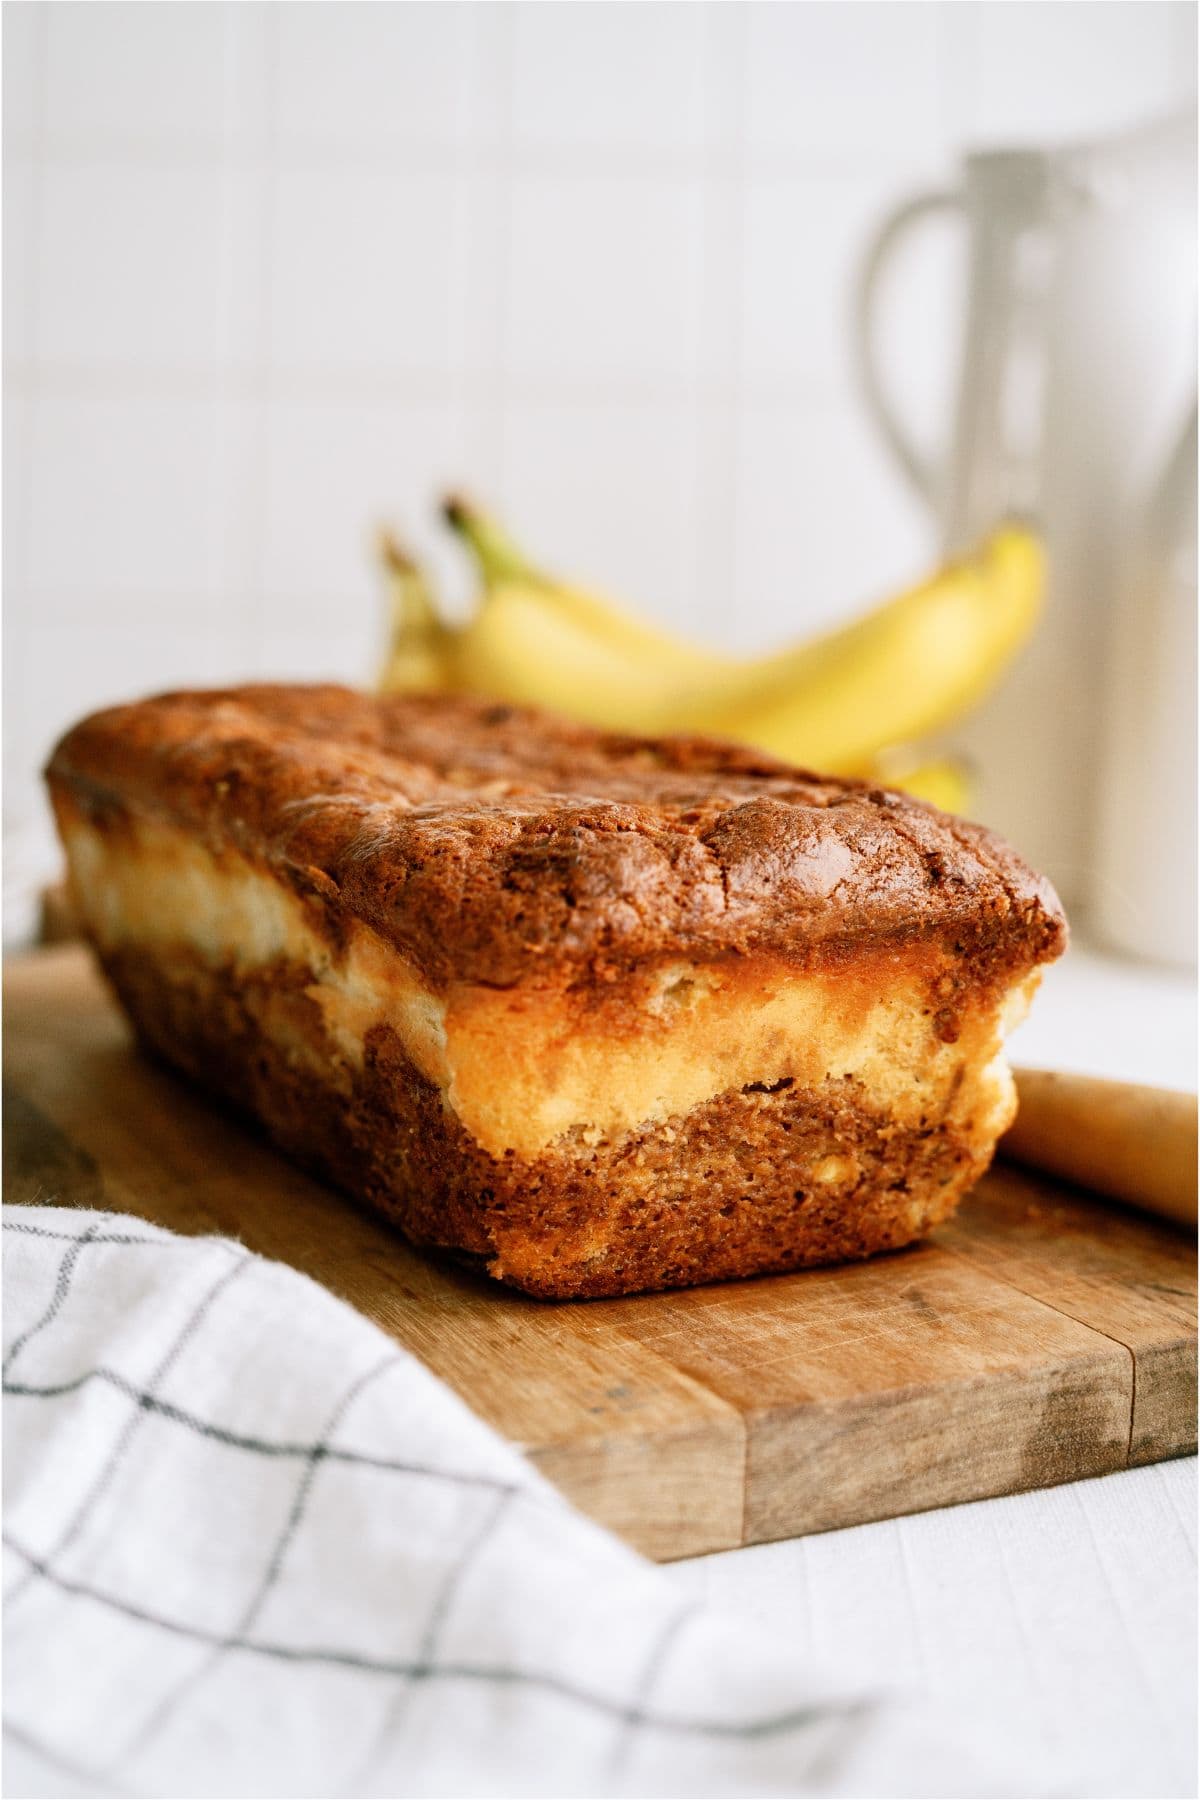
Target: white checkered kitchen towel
252 1548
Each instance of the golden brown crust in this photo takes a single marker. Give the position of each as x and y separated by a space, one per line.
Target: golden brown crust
496 845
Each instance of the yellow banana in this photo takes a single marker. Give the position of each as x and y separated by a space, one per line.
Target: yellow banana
544 663
905 670
504 566
842 703
902 672
524 648
419 656
944 782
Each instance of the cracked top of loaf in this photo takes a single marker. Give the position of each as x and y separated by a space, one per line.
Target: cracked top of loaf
496 844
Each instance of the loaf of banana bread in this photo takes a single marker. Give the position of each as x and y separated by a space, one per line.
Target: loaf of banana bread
599 1014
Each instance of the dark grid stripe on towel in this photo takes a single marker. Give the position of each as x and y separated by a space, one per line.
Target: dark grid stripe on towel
253 1548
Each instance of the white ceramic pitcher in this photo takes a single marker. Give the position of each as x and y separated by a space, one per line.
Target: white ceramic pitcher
1144 897
1077 371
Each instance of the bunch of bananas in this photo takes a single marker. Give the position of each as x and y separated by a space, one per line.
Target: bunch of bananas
852 702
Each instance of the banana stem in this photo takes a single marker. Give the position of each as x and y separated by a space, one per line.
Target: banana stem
420 645
498 556
393 555
413 610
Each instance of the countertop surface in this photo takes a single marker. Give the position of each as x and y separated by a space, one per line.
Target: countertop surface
1105 1015
1064 1621
1060 1624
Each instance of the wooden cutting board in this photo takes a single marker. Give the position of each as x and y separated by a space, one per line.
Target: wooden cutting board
1041 1337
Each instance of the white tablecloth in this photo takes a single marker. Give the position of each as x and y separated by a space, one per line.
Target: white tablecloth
1065 1619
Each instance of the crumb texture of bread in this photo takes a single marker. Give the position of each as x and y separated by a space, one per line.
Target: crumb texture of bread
602 1015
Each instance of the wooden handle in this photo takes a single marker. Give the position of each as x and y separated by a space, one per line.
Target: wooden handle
1136 1144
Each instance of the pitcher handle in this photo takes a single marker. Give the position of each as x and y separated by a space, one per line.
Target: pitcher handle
924 477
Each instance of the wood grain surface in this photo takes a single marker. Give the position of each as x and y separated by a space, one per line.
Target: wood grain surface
1042 1336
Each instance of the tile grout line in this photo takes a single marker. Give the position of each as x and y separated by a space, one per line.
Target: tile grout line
35 232
725 430
260 449
606 161
499 425
333 384
25 821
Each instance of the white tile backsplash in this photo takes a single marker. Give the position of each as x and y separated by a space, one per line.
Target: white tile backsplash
84 666
17 413
604 277
805 239
23 37
273 271
624 78
364 271
583 503
20 180
129 266
238 427
335 471
823 528
297 652
124 514
374 74
1078 76
251 59
135 72
1184 46
841 83
241 275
